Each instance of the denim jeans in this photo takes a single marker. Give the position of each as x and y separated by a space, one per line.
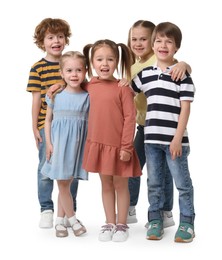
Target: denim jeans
156 155
45 185
134 182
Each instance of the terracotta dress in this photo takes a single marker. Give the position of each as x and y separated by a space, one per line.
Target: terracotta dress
111 128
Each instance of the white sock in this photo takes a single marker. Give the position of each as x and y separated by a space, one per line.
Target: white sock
72 220
75 224
60 223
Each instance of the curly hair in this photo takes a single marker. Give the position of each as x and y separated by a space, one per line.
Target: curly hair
52 26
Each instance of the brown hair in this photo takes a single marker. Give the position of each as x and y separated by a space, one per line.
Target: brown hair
125 59
169 30
53 26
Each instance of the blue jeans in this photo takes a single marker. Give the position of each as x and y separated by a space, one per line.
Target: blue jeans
134 182
45 185
156 156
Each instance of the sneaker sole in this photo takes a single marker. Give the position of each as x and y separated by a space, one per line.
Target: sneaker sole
105 240
181 240
62 233
154 237
119 240
46 226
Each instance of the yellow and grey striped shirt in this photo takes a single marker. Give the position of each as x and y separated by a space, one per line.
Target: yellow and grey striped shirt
43 74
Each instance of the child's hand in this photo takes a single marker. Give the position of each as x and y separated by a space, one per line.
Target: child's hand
49 151
54 88
124 156
37 136
178 71
175 149
123 82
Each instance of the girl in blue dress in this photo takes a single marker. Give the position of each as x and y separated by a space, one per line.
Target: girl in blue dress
65 130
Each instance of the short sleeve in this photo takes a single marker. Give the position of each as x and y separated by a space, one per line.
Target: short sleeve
49 101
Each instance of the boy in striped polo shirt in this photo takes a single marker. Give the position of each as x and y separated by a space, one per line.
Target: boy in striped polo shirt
51 36
166 137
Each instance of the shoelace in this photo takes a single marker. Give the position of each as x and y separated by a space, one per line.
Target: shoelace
182 228
155 225
121 228
106 228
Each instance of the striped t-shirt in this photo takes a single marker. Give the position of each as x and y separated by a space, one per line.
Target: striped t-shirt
163 99
43 74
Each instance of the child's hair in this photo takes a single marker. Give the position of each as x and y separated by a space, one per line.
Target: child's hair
52 26
71 54
125 58
140 23
169 30
62 60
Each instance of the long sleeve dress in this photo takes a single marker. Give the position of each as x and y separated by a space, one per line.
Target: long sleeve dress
111 128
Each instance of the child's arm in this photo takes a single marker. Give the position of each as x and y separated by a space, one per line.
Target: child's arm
48 122
176 144
129 115
36 105
179 70
123 82
58 87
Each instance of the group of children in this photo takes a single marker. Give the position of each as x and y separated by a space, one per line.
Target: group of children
83 126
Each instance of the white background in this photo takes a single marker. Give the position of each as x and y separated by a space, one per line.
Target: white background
200 22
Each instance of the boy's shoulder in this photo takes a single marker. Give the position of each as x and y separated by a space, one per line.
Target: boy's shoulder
44 65
39 63
43 62
150 67
148 71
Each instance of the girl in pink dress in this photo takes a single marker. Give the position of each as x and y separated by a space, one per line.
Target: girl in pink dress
109 148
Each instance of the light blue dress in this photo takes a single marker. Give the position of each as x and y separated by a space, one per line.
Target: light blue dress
68 135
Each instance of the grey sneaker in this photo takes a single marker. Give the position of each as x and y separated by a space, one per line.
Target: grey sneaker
167 220
46 220
131 217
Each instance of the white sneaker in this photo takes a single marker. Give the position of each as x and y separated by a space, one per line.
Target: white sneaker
120 233
167 220
131 217
106 232
46 220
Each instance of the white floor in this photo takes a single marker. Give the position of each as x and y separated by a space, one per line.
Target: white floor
21 236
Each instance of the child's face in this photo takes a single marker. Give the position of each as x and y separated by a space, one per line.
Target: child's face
104 62
140 41
164 48
54 44
73 72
